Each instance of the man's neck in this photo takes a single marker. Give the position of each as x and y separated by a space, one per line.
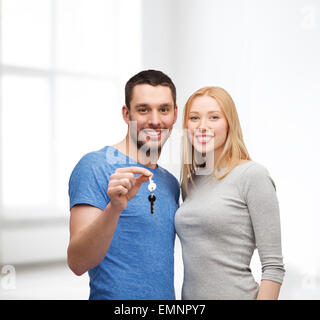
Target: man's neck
127 147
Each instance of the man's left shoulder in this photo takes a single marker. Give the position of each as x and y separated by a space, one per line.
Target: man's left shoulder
169 177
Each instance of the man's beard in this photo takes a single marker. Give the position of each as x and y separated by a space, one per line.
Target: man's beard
146 153
141 144
151 151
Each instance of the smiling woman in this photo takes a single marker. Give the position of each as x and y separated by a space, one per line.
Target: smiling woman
211 128
207 121
227 212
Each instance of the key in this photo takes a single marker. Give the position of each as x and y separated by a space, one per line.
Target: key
152 186
152 199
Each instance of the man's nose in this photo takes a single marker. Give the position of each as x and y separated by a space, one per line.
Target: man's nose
154 119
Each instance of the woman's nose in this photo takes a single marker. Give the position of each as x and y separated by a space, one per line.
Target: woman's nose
203 125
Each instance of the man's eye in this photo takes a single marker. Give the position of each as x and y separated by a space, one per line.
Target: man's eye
164 109
142 110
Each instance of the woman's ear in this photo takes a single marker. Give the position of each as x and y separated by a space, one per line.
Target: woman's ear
126 114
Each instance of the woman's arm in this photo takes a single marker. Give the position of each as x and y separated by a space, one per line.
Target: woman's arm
263 206
269 290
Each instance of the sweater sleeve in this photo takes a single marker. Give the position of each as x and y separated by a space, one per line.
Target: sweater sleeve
260 195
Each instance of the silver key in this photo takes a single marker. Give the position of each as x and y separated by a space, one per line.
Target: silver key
152 198
152 186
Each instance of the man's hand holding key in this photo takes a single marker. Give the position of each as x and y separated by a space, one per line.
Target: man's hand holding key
123 185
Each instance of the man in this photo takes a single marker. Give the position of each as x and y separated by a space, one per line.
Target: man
128 251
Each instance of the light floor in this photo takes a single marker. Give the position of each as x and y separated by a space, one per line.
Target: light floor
51 281
55 281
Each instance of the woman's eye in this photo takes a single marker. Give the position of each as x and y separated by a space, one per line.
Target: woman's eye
214 117
193 118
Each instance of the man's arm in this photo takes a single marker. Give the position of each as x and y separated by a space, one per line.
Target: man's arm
92 229
91 232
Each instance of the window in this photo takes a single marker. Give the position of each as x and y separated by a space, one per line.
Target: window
64 64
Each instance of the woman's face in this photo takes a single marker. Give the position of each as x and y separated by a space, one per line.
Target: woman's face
207 126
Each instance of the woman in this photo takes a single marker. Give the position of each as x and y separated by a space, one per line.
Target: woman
227 213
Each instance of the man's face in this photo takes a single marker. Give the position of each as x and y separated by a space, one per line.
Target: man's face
153 111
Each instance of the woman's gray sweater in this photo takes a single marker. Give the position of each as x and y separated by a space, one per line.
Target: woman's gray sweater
220 223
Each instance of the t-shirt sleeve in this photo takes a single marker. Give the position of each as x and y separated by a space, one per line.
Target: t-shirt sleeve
260 194
88 183
177 195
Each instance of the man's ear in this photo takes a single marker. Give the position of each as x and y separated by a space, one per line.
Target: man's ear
175 113
126 114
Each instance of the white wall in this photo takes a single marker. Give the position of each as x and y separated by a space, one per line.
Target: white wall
266 54
60 99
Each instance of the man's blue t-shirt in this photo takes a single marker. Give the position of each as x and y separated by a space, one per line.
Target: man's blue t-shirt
139 264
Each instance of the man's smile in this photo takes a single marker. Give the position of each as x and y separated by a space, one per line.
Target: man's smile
154 134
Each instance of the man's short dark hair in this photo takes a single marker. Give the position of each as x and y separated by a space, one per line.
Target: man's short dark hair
151 77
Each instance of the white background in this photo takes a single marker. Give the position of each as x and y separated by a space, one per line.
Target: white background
61 97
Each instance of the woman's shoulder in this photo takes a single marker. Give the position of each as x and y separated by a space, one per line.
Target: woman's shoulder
248 170
254 173
253 168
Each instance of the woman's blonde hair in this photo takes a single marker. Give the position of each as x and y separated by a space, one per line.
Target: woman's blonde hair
234 149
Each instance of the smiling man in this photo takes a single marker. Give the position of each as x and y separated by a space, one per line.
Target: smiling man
127 250
150 113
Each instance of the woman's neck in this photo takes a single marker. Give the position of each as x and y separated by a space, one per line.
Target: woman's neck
208 160
224 161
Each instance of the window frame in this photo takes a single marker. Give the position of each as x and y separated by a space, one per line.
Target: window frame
13 216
